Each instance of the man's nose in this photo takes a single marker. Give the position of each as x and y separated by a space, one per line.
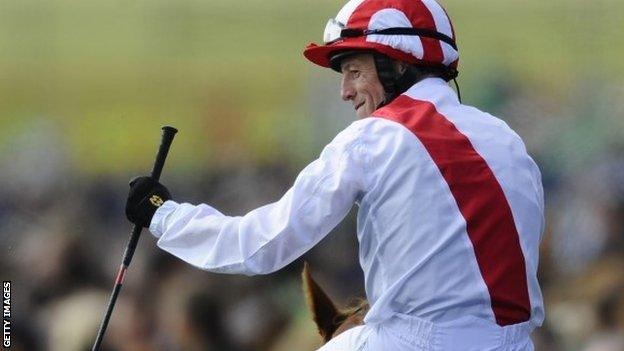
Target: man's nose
346 90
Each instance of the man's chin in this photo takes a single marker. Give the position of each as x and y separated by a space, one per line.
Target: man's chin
362 112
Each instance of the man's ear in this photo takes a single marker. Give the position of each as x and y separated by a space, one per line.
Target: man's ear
324 312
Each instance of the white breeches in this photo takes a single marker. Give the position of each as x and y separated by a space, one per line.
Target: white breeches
353 339
405 333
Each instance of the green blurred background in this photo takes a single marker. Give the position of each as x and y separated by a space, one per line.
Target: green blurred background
106 74
86 85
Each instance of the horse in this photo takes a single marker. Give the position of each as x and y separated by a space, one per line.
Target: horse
330 320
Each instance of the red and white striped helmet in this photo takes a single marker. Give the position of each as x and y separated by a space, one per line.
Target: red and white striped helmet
413 31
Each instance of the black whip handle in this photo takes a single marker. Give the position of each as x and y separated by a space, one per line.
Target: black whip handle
163 150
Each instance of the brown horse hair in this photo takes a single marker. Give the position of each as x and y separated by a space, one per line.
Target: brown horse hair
330 320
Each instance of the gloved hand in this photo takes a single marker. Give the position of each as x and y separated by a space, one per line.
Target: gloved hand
145 197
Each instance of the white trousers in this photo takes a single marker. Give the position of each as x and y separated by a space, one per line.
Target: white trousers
406 333
353 339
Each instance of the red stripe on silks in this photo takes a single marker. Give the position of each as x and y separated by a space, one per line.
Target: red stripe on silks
121 274
481 201
414 11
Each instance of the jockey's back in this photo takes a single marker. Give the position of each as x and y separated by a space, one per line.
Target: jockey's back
450 226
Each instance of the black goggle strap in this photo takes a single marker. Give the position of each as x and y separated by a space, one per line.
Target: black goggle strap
426 33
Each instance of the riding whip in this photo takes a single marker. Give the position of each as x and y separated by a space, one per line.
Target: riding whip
163 150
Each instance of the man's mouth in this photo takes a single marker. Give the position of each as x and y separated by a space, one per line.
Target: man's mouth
359 105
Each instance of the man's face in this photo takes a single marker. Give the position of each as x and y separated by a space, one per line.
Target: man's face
360 84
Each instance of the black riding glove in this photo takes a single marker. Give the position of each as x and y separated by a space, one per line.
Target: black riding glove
145 197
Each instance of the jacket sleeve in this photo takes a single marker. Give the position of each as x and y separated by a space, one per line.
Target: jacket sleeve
270 237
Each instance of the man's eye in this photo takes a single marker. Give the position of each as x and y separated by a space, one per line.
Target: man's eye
355 73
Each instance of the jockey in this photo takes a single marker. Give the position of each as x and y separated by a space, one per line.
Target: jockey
450 204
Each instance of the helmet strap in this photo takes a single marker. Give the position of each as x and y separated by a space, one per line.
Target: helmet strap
457 88
388 76
395 82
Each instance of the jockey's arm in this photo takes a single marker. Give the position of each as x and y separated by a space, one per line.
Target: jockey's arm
272 236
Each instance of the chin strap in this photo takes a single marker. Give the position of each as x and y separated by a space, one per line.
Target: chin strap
395 83
458 92
388 77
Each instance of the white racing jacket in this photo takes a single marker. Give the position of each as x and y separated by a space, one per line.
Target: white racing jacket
449 223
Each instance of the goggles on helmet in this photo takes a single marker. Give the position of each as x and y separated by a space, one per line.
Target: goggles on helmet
336 31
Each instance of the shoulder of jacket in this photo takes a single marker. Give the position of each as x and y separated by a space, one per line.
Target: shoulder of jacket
373 137
375 127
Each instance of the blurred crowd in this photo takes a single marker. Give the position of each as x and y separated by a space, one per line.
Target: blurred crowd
62 236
